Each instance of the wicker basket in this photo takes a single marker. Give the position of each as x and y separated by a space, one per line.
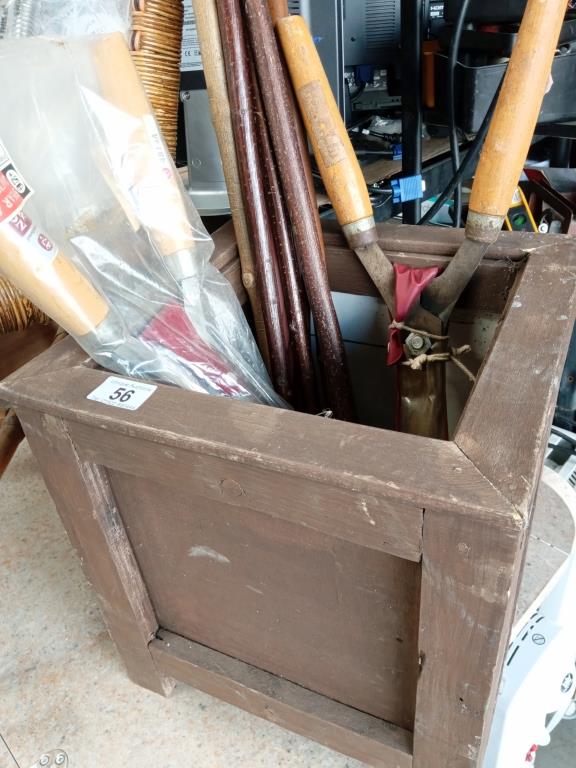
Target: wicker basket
156 44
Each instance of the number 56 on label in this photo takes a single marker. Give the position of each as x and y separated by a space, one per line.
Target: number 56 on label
122 393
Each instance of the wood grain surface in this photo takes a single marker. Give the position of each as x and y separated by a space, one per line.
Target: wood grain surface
519 104
290 706
241 87
512 406
468 572
392 559
278 595
366 519
89 512
333 149
342 455
277 99
206 16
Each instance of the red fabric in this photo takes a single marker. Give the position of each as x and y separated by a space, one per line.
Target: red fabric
410 283
173 330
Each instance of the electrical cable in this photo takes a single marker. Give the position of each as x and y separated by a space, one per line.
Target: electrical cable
9 750
467 163
454 146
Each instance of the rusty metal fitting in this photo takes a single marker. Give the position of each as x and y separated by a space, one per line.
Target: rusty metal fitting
416 344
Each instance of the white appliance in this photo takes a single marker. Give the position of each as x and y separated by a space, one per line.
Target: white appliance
539 679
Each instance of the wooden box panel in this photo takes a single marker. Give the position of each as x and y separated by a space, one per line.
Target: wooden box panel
319 611
352 584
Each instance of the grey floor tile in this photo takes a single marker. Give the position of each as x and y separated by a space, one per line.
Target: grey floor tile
562 750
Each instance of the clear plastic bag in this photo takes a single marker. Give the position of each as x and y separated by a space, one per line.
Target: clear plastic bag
63 18
97 230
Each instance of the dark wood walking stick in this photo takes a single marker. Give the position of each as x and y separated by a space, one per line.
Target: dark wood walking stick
279 10
276 97
243 106
206 16
296 303
424 326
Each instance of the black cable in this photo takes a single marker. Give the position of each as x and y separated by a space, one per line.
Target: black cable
9 750
454 146
467 163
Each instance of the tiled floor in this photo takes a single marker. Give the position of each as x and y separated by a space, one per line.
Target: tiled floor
63 685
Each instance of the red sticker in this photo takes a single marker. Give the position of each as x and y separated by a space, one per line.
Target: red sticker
13 192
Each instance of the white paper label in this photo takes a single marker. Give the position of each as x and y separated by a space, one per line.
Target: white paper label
123 393
191 58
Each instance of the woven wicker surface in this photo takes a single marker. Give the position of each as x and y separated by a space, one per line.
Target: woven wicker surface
156 43
16 312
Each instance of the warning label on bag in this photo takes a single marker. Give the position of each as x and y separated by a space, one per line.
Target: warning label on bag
35 246
13 189
191 59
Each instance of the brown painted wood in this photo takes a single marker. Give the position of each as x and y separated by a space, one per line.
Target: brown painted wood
360 518
19 347
304 388
468 570
11 435
334 725
226 259
445 241
279 596
90 515
506 422
487 292
208 31
418 246
322 450
188 471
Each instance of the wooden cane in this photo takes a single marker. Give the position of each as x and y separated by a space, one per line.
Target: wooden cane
215 74
279 10
296 304
243 107
275 94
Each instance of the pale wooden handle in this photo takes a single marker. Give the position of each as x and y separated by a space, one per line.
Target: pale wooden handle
56 286
278 9
121 87
332 148
519 105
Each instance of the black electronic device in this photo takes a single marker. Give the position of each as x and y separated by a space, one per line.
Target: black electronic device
476 86
358 41
497 40
487 11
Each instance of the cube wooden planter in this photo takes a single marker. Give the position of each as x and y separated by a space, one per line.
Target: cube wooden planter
352 584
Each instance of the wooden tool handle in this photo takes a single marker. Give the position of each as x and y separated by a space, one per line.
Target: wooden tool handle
208 30
519 105
278 9
142 163
53 284
333 150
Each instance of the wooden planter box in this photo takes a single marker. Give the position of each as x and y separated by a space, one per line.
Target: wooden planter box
352 584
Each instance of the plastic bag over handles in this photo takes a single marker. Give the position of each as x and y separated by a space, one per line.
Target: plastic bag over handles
96 227
63 18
